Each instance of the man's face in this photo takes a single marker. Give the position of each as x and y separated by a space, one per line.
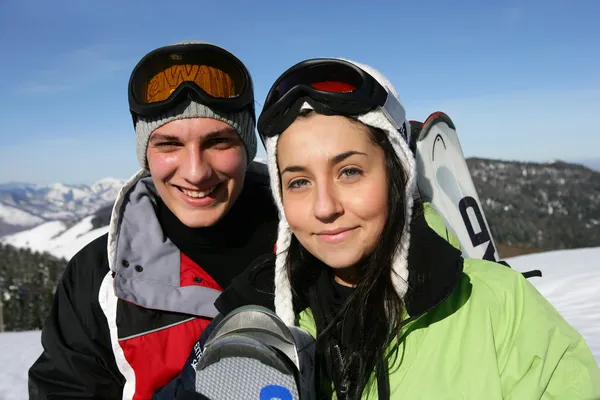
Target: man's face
198 166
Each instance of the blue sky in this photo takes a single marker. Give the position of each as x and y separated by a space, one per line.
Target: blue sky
521 79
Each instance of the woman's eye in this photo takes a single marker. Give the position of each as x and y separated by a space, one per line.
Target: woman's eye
298 183
351 172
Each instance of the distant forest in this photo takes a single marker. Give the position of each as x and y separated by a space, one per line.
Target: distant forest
27 284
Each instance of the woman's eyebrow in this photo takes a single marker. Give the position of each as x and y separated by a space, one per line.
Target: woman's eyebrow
341 157
333 160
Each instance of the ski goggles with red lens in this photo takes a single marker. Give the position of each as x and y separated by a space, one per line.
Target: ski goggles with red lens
331 87
201 72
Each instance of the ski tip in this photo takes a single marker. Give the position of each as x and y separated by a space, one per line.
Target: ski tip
438 116
420 130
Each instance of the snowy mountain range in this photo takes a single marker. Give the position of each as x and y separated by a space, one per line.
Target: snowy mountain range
24 205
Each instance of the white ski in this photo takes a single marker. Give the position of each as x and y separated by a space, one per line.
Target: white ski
444 181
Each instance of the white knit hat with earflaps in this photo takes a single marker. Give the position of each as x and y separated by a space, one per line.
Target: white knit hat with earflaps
375 119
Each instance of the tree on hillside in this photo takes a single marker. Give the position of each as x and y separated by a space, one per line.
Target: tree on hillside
28 281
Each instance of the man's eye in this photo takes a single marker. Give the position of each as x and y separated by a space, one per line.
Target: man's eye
220 142
167 144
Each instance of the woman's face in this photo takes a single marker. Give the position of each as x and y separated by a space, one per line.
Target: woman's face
334 188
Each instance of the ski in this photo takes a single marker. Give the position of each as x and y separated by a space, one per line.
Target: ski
444 181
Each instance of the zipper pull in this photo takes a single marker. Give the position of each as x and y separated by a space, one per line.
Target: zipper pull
345 383
344 388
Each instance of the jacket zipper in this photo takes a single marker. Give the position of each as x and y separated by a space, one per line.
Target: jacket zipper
344 385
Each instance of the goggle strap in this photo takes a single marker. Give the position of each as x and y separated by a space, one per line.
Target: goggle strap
393 107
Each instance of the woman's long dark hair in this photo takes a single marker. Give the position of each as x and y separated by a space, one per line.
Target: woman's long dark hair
374 306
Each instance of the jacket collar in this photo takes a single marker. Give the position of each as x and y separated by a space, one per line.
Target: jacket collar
145 263
435 267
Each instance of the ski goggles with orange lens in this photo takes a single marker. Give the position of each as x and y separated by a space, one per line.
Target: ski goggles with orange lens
201 72
332 87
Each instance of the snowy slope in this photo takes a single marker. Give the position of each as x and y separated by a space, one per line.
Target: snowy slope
67 250
36 238
14 216
571 280
54 238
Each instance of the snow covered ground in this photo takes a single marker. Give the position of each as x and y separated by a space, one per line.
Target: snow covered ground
18 351
570 282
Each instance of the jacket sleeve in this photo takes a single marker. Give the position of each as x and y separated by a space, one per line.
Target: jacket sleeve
544 357
77 361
